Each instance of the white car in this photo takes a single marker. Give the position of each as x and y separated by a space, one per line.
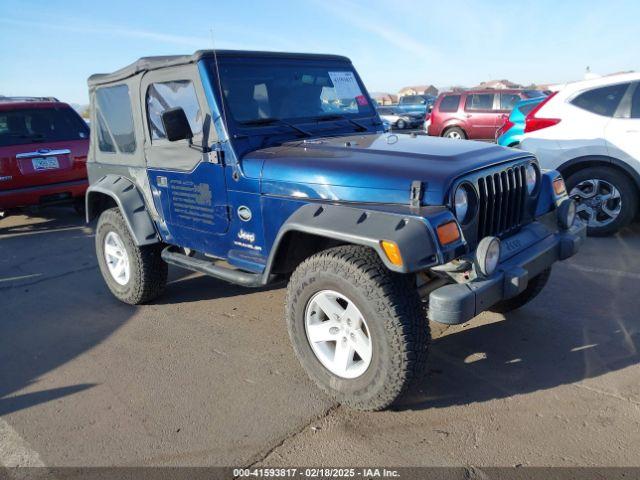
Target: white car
590 132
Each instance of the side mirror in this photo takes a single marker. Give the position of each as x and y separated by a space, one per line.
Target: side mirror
176 125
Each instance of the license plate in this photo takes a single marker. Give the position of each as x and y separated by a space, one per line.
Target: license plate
45 163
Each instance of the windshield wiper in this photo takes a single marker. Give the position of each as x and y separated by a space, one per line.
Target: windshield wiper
271 121
337 116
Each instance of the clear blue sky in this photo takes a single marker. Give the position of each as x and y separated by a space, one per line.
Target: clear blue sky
51 47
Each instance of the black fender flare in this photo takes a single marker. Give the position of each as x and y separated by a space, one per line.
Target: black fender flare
130 202
367 227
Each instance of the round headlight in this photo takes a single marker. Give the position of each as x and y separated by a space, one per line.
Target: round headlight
461 203
567 213
488 255
532 178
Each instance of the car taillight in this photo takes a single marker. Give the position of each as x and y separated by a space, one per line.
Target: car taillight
505 127
533 123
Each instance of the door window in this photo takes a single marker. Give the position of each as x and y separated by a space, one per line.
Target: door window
479 101
508 101
165 95
602 101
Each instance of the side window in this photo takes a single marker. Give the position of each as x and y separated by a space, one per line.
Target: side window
479 101
450 103
508 101
115 120
105 143
635 103
602 101
165 95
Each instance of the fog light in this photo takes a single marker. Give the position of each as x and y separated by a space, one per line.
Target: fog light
567 213
488 255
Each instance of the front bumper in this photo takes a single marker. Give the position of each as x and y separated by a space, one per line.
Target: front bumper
536 249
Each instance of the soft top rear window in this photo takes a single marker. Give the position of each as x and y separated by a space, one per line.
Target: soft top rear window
41 125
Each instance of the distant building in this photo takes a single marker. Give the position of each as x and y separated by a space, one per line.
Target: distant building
419 90
383 98
497 85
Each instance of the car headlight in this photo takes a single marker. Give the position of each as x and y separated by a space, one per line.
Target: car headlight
532 178
488 255
461 203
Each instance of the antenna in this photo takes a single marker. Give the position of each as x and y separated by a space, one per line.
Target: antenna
222 99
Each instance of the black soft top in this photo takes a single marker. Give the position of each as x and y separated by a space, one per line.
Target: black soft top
145 64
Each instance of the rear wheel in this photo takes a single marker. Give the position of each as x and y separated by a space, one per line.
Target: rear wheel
358 329
401 124
134 274
454 133
607 199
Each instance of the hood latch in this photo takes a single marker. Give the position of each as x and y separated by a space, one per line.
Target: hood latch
415 196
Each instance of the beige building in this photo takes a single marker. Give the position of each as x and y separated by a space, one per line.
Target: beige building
497 85
383 98
418 90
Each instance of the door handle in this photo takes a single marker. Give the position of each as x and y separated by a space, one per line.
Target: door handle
632 131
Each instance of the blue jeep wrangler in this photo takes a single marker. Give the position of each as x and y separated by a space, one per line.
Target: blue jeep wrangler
258 167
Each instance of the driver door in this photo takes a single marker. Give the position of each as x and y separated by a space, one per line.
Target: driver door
188 184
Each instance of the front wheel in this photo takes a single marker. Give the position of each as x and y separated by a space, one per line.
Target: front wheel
134 274
359 330
401 124
607 199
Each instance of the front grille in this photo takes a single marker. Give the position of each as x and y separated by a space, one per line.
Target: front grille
502 201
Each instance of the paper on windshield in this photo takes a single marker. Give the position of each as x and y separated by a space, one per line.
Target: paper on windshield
345 84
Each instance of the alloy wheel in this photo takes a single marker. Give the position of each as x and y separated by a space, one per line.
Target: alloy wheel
599 202
338 334
117 258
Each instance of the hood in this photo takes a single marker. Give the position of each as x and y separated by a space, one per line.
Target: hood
375 168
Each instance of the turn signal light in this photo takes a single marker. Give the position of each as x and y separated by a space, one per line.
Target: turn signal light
392 251
448 233
559 186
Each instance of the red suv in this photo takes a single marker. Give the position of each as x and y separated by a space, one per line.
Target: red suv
474 114
43 153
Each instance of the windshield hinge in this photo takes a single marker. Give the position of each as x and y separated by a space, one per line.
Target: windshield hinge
415 196
216 155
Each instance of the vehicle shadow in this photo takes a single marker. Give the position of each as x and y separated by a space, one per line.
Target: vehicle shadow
586 323
185 287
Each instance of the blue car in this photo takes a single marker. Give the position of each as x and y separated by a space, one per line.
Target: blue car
512 132
264 168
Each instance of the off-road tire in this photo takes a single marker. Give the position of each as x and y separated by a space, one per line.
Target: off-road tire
535 286
395 316
628 195
458 130
148 277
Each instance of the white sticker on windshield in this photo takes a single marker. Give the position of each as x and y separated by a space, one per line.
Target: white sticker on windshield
345 84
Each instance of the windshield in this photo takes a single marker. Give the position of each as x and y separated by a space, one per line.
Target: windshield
29 125
264 90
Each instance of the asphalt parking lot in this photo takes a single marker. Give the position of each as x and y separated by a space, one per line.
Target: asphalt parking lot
206 375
